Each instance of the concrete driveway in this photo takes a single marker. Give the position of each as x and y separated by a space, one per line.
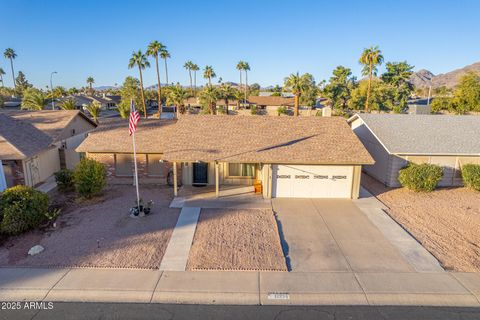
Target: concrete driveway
334 235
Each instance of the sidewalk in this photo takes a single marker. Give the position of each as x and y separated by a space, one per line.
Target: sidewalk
240 288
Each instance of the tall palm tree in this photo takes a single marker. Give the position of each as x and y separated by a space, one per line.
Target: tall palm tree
240 67
10 54
246 68
2 73
188 66
139 59
90 82
195 68
209 97
154 48
227 93
298 84
176 97
371 58
164 54
208 73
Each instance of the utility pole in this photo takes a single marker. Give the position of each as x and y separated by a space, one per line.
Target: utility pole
51 88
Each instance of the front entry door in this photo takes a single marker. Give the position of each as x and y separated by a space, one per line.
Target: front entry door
200 173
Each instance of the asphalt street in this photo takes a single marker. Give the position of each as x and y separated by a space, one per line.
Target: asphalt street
177 311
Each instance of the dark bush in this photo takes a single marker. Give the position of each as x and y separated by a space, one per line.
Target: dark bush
64 179
471 176
420 177
89 177
22 208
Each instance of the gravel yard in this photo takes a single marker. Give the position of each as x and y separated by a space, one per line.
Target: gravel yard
100 233
445 221
236 239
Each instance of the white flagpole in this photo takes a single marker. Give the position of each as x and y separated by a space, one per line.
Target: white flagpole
136 170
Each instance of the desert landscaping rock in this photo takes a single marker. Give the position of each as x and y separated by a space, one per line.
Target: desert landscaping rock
100 233
35 250
236 239
446 221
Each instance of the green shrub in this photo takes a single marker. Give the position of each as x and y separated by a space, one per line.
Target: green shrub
89 177
420 177
471 176
64 179
282 110
22 208
253 110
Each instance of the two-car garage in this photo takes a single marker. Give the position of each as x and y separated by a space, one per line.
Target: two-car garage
314 181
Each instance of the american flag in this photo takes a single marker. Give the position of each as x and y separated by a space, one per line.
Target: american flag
133 120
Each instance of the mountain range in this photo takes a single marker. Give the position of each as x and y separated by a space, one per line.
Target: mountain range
424 78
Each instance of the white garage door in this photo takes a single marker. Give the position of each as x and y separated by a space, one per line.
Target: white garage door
310 181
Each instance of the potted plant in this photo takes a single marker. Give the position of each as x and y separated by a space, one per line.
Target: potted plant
141 210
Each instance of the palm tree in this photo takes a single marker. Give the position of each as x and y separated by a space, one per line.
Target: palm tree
195 68
208 73
2 73
10 54
246 68
227 93
165 55
188 66
154 48
90 82
176 97
209 97
68 104
94 110
371 58
33 99
140 60
240 66
298 84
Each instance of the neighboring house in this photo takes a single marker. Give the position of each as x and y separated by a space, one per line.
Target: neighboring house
270 103
393 140
36 144
300 157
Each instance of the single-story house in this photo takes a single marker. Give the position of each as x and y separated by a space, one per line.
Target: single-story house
270 103
314 157
393 140
36 144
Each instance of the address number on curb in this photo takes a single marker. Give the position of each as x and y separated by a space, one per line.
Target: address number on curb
278 296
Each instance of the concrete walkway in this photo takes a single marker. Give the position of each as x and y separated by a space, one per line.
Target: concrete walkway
244 288
176 255
411 249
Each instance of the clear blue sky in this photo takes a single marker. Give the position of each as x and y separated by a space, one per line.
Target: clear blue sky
96 38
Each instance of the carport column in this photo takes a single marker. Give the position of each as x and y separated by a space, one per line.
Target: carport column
175 191
217 178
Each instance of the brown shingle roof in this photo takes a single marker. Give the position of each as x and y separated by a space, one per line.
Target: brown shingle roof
50 122
20 140
112 137
26 133
271 101
308 140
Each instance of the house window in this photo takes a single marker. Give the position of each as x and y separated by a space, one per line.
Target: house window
155 165
241 170
124 165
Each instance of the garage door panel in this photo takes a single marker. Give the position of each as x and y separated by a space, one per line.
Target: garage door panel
307 181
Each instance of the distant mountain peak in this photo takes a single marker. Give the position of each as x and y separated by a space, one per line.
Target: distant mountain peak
424 78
